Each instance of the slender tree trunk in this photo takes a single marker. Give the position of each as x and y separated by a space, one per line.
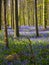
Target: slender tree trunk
40 16
12 14
28 9
23 6
33 18
0 13
44 14
33 14
7 10
16 31
5 23
20 12
37 34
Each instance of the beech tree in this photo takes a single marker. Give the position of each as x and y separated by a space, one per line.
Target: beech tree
0 13
44 13
5 23
37 33
12 14
16 27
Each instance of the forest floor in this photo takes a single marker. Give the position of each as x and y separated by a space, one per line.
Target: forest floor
38 47
30 31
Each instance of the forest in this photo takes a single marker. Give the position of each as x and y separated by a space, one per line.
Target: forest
24 32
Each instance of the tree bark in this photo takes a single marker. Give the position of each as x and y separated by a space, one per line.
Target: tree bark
0 13
37 34
16 31
5 23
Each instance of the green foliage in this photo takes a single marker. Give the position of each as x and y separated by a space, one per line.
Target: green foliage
22 48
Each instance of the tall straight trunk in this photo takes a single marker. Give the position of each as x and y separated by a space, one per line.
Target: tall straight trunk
7 11
33 14
20 12
40 16
16 30
24 14
44 14
33 18
23 11
0 13
37 33
12 14
5 23
28 9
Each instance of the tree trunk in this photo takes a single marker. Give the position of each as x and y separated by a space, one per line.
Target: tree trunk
44 14
12 14
23 11
5 23
37 34
0 13
20 12
16 30
28 9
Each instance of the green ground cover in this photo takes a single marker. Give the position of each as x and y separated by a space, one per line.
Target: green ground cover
22 48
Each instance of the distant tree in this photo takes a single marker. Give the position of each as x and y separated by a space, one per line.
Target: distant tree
20 12
5 23
23 11
37 33
40 16
7 12
44 14
0 13
28 10
12 13
33 13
